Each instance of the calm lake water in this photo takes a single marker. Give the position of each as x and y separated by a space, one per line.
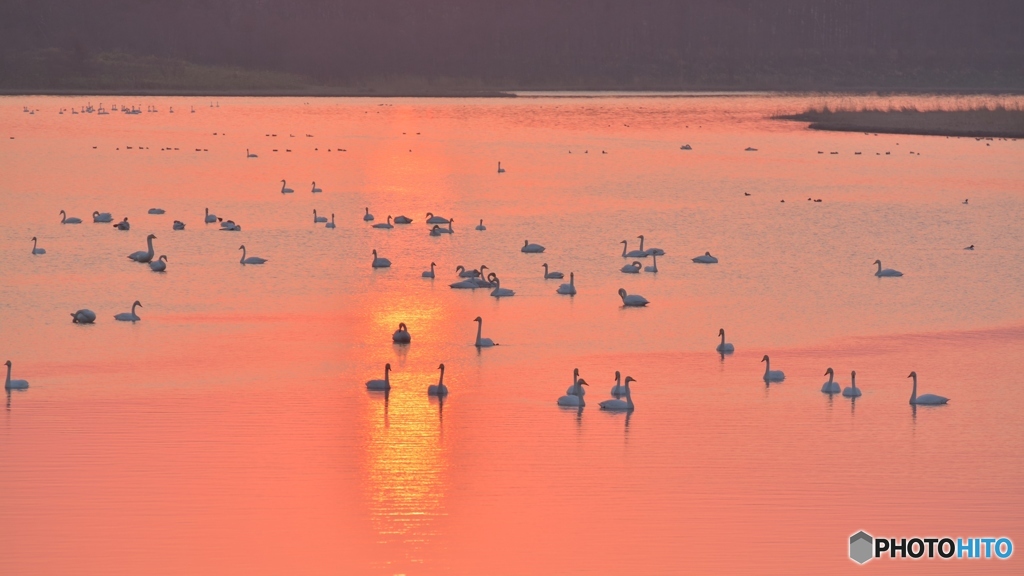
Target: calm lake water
230 431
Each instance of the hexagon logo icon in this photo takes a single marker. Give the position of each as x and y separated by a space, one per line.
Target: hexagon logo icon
860 547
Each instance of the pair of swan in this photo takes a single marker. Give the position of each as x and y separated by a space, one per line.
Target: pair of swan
632 299
551 275
318 219
480 341
250 259
401 336
210 218
832 387
403 220
101 217
431 219
575 398
144 256
886 272
769 374
570 288
498 291
481 226
707 258
158 265
429 273
616 404
437 230
178 225
285 189
13 384
633 268
531 248
123 224
724 347
35 249
129 316
367 217
83 316
65 220
380 262
384 225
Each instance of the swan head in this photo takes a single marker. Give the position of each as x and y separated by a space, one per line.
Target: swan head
912 375
282 182
242 247
402 327
387 367
162 257
478 319
853 374
8 363
429 214
879 262
617 375
63 213
441 367
721 331
432 264
829 372
575 372
436 227
641 236
492 277
628 380
375 253
636 264
482 267
526 242
582 382
765 359
150 237
95 213
137 303
707 253
459 268
624 242
622 292
34 239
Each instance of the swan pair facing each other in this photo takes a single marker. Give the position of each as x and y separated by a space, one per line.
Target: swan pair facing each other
632 299
129 316
250 259
401 336
531 248
14 384
575 395
147 255
769 374
35 249
886 272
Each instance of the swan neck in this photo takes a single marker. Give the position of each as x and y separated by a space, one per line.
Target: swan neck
7 383
479 330
767 366
913 394
243 254
440 381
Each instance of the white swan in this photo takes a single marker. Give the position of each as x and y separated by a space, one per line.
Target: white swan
156 211
250 154
83 316
500 169
65 220
123 224
384 225
230 226
724 347
403 220
178 225
384 384
925 399
618 389
852 391
431 219
438 389
531 248
35 249
331 223
146 256
572 389
437 230
318 219
552 275
830 387
380 262
468 284
653 267
13 384
315 189
577 398
210 218
707 258
159 265
886 272
570 288
481 226
98 217
631 253
633 268
769 374
285 189
401 336
498 291
463 273
482 342
250 259
429 273
632 299
616 405
129 316
367 217
650 251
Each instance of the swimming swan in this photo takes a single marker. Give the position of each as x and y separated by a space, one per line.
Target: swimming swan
570 288
13 384
431 219
886 272
403 220
401 336
633 268
250 154
65 220
616 405
830 387
724 347
618 389
463 273
498 291
35 249
654 266
852 391
156 211
98 217
649 251
159 265
318 219
632 253
129 316
178 225
315 189
83 316
250 259
367 217
210 218
429 273
384 225
146 256
482 342
380 262
481 226
552 275
925 399
123 224
438 389
574 399
572 389
769 374
707 258
531 248
284 189
632 299
331 223
384 384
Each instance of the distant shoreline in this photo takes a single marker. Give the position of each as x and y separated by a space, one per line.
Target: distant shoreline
273 93
976 123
